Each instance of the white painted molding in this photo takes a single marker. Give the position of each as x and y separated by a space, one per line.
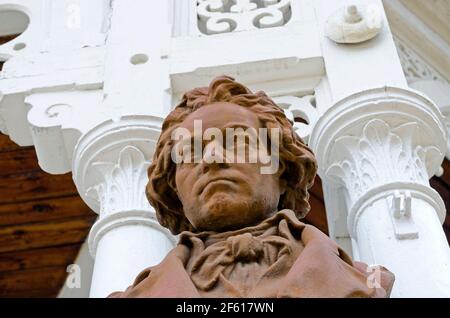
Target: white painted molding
414 66
56 121
282 68
418 36
56 54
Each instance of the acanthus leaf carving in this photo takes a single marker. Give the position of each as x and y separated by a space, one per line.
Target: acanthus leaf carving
381 155
124 182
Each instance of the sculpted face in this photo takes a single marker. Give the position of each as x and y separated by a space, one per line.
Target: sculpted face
225 196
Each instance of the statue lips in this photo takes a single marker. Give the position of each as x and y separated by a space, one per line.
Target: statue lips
216 183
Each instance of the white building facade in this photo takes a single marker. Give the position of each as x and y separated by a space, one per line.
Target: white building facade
89 82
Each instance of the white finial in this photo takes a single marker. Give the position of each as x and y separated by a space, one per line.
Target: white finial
352 15
354 24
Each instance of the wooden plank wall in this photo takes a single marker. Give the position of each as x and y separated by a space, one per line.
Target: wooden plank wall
43 223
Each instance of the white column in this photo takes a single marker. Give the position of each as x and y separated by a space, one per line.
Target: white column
110 170
379 147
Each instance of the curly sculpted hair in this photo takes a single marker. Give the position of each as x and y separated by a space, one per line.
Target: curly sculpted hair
296 158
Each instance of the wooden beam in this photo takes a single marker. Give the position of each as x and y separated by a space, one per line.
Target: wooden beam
43 210
45 234
38 258
18 161
34 185
32 282
7 145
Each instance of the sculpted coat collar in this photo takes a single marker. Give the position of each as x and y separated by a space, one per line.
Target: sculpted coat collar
280 257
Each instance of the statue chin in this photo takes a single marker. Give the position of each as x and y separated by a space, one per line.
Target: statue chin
223 212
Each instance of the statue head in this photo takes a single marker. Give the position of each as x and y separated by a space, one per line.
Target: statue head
216 193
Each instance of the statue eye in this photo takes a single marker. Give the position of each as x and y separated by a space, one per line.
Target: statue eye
184 152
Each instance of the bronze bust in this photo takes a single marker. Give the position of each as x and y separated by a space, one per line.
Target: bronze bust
240 229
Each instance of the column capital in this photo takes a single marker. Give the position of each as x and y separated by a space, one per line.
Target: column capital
110 163
383 143
110 166
403 117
